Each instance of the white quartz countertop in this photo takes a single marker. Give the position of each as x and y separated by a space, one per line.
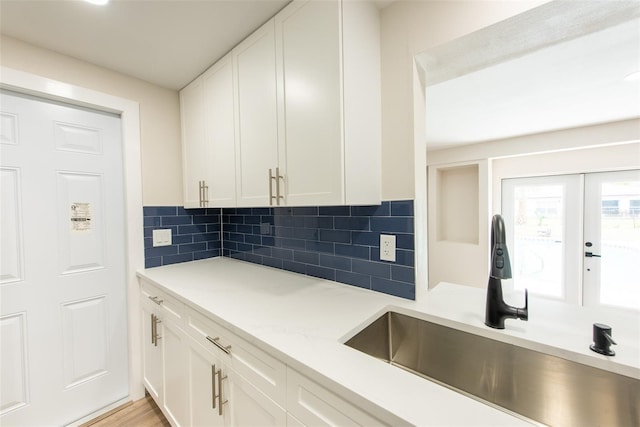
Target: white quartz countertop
304 321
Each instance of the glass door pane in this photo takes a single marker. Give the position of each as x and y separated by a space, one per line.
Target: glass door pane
612 239
541 233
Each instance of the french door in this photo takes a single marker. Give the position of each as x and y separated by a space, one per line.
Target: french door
576 237
611 265
63 310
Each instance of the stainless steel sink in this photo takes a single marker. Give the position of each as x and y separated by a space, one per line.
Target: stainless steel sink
534 385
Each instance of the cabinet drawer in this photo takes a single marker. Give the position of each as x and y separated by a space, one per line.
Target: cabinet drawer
259 368
313 405
166 307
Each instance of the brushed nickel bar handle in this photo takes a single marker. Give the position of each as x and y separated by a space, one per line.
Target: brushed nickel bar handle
200 193
220 402
205 194
213 386
214 341
156 300
271 196
153 328
278 178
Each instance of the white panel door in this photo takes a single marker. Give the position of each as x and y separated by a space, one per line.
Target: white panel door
63 309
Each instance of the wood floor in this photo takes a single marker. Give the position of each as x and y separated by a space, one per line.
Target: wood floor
142 413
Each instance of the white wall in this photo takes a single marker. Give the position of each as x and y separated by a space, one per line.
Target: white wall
159 112
409 28
547 142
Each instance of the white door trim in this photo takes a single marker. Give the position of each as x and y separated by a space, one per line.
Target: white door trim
43 87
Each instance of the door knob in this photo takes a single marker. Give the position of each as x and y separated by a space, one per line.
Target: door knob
590 254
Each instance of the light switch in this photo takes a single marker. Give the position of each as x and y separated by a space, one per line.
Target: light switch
162 237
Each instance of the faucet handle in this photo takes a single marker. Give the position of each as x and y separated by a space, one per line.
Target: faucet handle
523 313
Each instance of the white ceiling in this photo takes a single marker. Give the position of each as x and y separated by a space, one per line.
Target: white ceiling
574 83
167 42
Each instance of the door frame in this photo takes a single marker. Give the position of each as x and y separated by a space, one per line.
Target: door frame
129 111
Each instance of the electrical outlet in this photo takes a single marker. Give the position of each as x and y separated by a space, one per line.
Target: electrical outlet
265 228
162 237
388 247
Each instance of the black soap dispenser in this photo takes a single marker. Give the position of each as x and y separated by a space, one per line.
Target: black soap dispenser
602 340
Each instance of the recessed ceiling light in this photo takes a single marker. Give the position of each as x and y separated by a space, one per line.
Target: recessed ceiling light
98 2
633 76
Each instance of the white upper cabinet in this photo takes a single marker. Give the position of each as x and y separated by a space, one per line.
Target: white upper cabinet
194 165
309 69
306 101
329 102
256 116
220 133
208 138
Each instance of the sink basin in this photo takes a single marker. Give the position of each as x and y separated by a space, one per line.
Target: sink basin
537 386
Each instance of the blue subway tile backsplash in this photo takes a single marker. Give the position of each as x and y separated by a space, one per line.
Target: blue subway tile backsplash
340 243
195 234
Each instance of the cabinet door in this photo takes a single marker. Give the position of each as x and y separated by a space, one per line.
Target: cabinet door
151 354
313 405
202 387
175 390
194 161
256 119
308 41
247 406
219 149
212 383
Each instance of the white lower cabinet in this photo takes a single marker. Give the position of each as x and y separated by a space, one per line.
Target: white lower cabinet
203 403
219 396
164 353
313 405
151 353
202 374
174 354
248 406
